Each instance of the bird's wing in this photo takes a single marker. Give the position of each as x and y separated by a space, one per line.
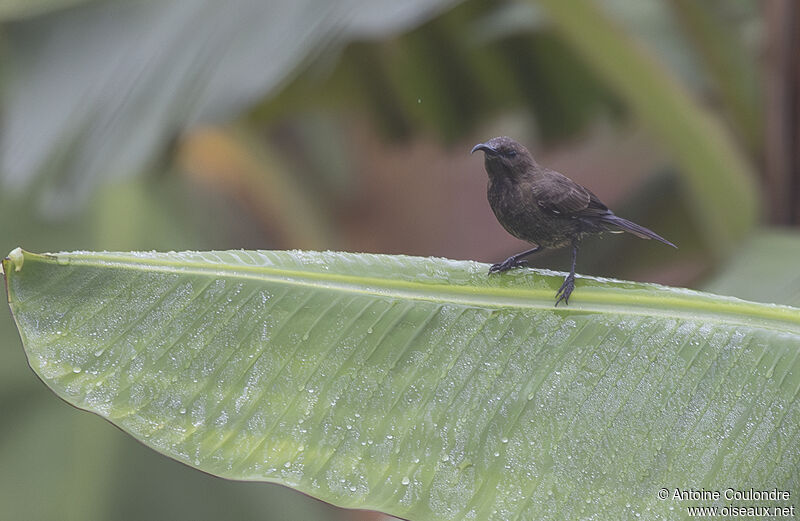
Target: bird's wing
560 195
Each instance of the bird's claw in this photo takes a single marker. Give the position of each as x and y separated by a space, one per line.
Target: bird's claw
507 264
565 290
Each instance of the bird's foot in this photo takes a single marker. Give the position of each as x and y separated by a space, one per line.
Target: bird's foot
566 289
509 263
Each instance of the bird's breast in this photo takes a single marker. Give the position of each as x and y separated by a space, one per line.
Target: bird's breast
519 213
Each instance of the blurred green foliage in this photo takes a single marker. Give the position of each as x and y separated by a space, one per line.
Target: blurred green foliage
765 269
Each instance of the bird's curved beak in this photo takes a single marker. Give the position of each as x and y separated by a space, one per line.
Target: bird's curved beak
486 148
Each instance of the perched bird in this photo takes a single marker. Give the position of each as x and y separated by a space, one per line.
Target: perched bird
543 207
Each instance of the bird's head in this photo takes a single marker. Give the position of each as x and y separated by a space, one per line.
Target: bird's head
505 157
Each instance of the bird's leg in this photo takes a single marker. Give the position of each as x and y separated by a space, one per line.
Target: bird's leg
569 283
514 261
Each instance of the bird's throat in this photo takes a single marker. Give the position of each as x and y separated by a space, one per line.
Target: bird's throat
497 169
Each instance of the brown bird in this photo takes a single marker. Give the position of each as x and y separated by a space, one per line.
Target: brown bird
543 207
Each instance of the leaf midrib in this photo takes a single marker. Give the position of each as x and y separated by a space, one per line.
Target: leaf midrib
669 303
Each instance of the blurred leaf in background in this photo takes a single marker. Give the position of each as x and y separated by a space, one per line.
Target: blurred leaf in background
100 91
17 9
766 270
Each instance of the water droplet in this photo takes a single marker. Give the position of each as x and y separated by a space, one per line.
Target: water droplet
301 448
531 395
183 410
305 336
504 440
76 370
352 488
446 458
287 464
405 480
496 454
98 352
369 331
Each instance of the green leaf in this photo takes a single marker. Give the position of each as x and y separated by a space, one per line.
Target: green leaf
101 90
730 64
420 387
16 9
764 270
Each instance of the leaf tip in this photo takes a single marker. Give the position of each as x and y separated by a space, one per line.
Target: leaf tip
15 258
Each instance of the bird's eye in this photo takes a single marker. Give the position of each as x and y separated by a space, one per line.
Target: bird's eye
511 153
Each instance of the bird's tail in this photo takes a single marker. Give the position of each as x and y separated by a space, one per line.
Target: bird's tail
635 229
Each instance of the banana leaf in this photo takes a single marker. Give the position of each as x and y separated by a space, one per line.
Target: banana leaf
421 387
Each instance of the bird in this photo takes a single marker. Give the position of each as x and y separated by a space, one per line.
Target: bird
545 208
